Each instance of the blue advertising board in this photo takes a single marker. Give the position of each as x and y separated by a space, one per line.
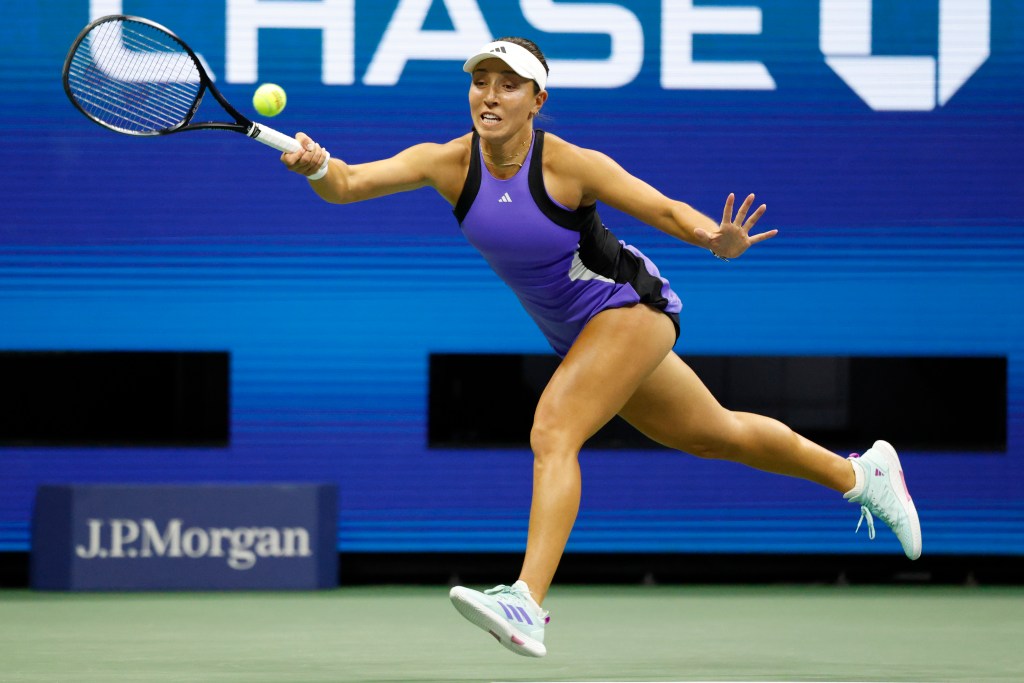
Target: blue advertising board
884 136
194 537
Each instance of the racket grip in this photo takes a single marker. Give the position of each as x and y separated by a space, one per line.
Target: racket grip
272 138
283 143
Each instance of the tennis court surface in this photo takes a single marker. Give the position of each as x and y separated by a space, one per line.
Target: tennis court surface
412 634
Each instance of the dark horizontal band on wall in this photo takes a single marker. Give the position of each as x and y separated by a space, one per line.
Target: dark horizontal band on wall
115 398
936 403
683 568
486 569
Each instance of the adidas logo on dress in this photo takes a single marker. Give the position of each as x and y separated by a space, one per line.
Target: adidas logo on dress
505 199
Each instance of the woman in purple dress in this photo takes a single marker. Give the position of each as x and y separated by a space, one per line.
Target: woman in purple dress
526 200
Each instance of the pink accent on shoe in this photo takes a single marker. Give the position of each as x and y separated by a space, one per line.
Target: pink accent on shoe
517 640
905 489
854 455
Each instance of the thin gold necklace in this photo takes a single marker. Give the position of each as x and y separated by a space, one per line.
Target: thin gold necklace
508 161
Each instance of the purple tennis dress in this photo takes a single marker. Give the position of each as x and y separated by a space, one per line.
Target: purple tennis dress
564 265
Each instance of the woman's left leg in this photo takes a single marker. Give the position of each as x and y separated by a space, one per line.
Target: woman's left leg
613 355
673 407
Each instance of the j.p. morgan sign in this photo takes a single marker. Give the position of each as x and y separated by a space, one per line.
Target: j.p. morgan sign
241 547
99 537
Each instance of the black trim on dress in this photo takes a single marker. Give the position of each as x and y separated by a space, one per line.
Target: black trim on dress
472 185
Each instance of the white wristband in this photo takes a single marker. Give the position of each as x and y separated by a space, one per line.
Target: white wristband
323 169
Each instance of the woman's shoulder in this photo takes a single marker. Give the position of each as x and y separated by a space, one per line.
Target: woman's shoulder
454 153
562 155
559 150
461 145
556 145
440 161
446 164
453 150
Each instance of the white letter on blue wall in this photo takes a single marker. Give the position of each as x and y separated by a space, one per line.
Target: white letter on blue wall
680 21
627 36
335 19
406 39
905 83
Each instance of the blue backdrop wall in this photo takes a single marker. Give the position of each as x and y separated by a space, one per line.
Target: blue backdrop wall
885 137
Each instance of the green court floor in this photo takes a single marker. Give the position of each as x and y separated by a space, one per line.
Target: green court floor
636 633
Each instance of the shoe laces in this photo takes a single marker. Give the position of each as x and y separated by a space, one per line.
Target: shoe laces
866 514
874 503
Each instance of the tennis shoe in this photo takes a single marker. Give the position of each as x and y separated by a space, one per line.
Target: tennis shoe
509 613
883 493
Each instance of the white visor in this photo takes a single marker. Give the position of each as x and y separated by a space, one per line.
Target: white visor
519 58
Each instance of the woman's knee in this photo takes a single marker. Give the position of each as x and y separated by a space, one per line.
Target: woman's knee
551 439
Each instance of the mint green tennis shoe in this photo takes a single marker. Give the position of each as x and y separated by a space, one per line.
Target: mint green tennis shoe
509 613
881 491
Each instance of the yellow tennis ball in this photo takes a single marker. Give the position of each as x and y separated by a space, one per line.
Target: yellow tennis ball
269 99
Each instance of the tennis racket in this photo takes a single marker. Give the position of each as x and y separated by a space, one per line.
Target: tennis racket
134 76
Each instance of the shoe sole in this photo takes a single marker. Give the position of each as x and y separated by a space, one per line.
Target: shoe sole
889 453
503 632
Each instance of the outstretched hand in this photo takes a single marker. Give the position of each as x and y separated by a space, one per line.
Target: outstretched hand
733 236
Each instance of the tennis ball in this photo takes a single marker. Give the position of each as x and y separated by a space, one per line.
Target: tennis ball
269 99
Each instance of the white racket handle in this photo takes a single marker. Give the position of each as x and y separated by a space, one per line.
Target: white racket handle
272 138
283 143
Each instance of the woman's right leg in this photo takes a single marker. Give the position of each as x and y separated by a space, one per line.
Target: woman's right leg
674 408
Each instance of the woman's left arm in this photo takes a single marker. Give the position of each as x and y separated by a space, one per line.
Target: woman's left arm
602 179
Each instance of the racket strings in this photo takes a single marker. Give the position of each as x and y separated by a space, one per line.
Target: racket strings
186 72
109 105
138 109
136 79
144 62
149 61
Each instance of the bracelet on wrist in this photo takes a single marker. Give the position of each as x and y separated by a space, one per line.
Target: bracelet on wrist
717 256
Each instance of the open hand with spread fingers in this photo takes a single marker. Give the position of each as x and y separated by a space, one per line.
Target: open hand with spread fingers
733 236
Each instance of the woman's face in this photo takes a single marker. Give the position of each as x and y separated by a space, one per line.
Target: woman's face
501 101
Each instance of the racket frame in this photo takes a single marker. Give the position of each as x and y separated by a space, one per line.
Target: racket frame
242 124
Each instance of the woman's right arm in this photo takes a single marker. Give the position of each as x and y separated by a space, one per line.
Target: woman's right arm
427 164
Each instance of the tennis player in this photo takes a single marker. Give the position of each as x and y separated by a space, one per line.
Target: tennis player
526 200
